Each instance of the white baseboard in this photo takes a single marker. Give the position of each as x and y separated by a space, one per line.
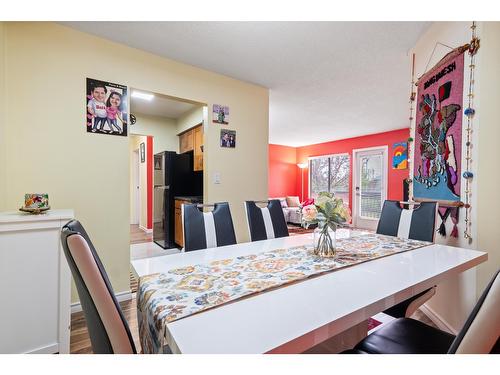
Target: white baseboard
437 319
145 229
122 296
54 348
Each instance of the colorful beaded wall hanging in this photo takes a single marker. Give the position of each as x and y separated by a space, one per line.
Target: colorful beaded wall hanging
469 112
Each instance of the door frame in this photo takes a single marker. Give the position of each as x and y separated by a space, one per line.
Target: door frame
385 159
137 187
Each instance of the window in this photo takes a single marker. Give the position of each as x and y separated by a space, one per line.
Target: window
330 173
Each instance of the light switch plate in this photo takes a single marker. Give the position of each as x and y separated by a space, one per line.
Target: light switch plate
216 178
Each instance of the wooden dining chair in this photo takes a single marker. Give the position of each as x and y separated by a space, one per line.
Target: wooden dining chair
265 222
108 329
203 230
479 335
416 223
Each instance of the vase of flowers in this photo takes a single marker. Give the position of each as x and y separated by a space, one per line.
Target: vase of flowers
328 213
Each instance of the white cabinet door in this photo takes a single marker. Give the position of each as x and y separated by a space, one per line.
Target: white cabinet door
36 285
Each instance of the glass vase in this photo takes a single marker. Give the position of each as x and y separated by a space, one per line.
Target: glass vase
325 241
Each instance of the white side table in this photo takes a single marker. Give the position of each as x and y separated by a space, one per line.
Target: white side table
35 290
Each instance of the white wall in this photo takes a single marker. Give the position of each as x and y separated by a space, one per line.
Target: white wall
190 119
488 130
456 297
47 64
163 130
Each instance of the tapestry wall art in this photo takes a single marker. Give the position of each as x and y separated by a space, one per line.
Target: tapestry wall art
438 134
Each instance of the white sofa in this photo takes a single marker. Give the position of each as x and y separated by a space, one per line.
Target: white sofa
292 215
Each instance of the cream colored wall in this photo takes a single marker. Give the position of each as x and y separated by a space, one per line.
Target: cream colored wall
163 130
3 177
190 119
134 144
488 129
46 67
456 297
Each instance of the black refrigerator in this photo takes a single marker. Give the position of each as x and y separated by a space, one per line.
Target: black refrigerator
173 176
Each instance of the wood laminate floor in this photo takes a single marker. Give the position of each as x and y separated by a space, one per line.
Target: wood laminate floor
137 235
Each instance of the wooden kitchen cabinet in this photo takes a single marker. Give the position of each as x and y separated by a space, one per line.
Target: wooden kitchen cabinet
186 141
179 238
198 148
192 140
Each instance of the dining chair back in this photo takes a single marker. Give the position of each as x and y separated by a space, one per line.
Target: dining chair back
479 335
203 230
481 331
108 329
265 222
417 223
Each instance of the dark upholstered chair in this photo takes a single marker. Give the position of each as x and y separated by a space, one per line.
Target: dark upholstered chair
108 329
418 223
266 222
479 335
203 230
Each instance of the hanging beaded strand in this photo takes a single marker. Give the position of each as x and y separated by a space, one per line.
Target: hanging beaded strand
413 95
469 113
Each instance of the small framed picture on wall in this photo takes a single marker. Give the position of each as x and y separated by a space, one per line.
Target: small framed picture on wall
227 138
142 151
220 114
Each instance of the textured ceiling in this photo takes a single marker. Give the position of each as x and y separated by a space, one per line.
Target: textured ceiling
327 80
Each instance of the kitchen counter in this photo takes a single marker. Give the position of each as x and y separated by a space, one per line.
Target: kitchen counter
191 199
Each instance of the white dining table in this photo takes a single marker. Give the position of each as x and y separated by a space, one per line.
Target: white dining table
298 316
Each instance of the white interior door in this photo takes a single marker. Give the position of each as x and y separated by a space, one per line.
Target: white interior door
369 186
136 185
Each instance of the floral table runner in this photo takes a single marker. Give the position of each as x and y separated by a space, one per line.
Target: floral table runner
180 292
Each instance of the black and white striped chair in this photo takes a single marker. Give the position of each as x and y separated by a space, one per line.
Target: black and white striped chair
417 223
265 222
479 335
203 230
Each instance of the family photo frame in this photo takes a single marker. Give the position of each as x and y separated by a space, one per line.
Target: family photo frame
228 138
106 105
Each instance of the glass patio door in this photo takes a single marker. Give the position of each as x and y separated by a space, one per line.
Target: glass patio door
370 187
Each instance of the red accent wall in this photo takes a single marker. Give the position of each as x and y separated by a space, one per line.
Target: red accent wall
281 178
282 171
149 180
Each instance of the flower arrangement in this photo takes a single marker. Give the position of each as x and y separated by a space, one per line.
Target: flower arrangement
328 212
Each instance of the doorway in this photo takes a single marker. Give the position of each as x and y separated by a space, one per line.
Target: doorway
369 186
165 129
136 185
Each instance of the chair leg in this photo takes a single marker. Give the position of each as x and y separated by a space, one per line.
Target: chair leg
415 304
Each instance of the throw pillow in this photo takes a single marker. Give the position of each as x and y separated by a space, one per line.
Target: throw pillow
293 201
308 202
283 203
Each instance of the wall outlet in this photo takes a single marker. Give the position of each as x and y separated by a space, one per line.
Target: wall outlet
216 178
